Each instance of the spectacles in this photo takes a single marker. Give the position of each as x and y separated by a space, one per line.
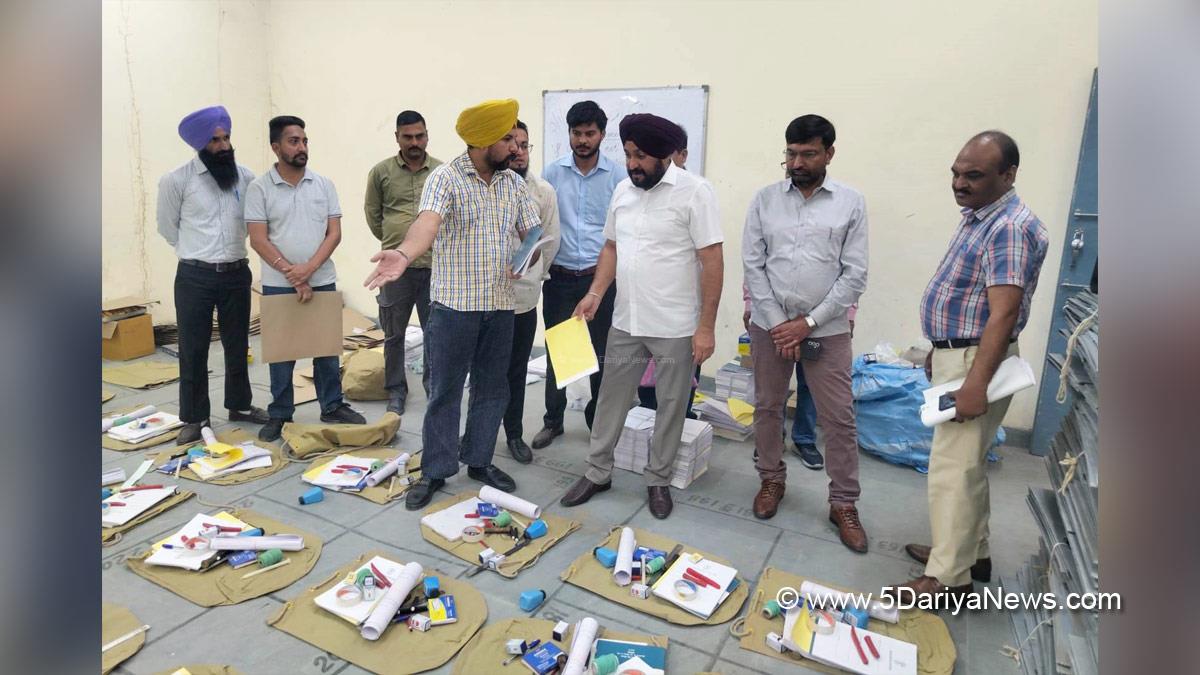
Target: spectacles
525 146
790 156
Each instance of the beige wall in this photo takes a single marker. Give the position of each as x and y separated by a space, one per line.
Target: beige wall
905 83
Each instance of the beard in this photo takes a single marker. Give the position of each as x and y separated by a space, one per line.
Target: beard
584 153
502 164
521 171
644 180
223 168
804 179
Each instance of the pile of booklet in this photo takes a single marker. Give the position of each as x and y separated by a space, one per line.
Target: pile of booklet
122 507
696 584
145 428
344 473
734 381
633 448
731 418
174 551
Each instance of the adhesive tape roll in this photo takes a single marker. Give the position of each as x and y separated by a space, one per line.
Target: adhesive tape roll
820 622
270 557
504 519
361 576
771 609
472 534
349 595
685 589
605 664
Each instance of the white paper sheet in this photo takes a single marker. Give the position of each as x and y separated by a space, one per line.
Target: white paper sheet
137 474
253 457
156 424
509 502
135 504
581 646
381 617
186 558
1013 375
111 476
326 478
623 570
449 522
359 611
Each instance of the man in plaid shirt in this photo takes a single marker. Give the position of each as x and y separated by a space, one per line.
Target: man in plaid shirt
973 310
470 207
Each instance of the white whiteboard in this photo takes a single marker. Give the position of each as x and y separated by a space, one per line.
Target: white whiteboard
683 105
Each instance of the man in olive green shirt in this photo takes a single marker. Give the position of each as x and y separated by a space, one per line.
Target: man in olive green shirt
393 193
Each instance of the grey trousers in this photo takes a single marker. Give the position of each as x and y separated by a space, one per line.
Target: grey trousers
624 363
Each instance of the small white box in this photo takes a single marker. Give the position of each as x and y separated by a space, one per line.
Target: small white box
560 630
641 591
515 646
418 622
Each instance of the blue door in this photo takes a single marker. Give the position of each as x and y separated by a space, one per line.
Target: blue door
1078 272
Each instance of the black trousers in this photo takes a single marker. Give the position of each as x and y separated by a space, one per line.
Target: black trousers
560 294
396 302
197 292
524 328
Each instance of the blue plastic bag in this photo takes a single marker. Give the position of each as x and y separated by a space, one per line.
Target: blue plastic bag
888 400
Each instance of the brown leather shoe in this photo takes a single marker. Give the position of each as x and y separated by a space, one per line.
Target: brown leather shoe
583 490
660 501
930 586
543 438
766 502
981 571
850 529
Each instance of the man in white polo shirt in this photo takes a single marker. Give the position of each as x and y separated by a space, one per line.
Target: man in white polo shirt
295 223
663 246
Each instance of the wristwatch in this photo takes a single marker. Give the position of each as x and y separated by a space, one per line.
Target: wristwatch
812 323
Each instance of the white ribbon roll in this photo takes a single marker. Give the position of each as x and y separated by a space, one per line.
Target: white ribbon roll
623 570
817 593
509 502
381 616
398 465
581 646
283 542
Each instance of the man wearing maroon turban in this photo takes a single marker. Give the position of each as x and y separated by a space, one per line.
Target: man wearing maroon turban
200 208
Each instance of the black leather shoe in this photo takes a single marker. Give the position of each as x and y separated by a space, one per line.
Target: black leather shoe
660 501
272 430
395 404
583 490
190 433
545 436
343 414
253 415
981 571
520 451
421 493
492 475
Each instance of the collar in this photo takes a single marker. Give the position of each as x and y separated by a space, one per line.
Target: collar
603 164
828 185
198 165
468 168
987 211
424 165
671 177
278 180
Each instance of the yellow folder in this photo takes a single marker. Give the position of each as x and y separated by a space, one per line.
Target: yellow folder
571 352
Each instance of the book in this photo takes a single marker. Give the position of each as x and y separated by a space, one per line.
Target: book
135 503
706 598
652 656
441 610
533 241
542 659
837 649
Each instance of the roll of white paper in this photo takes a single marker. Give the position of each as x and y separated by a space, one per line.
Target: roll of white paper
209 437
623 570
509 502
381 617
138 414
581 646
818 593
283 542
398 465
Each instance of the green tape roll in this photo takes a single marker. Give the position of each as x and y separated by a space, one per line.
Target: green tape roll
771 609
268 558
502 520
653 566
377 465
606 664
362 574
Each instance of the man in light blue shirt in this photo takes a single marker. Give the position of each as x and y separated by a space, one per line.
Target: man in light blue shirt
584 181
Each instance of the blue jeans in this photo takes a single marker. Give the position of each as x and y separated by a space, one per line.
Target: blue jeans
804 424
457 343
327 374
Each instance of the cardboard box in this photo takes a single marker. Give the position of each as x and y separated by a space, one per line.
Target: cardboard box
127 338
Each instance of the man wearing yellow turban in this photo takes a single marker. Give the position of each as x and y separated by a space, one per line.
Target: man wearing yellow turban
471 208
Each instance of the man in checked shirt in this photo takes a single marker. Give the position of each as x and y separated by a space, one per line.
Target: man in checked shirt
973 310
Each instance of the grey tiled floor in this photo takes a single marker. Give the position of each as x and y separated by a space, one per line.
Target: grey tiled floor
713 513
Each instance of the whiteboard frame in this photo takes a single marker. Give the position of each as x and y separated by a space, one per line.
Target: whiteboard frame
546 161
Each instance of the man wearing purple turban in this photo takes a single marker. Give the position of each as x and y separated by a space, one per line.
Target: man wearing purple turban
200 214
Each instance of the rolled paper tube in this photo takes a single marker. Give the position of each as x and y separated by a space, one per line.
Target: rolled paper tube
814 592
209 437
397 465
286 542
268 558
510 502
653 566
771 609
381 617
623 569
145 411
581 646
605 664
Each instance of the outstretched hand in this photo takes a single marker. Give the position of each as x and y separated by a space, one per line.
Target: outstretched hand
390 267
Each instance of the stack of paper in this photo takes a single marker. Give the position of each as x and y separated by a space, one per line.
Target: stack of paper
111 476
145 428
632 452
340 473
125 506
734 381
732 418
244 457
450 521
705 599
837 649
191 559
357 612
414 346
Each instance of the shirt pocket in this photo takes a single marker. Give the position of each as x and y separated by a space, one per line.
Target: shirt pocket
819 242
317 209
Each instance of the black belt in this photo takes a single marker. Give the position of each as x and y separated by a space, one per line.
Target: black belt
217 267
559 269
961 343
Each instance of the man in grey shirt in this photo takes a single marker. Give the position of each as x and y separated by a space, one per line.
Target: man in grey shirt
295 223
804 250
200 216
